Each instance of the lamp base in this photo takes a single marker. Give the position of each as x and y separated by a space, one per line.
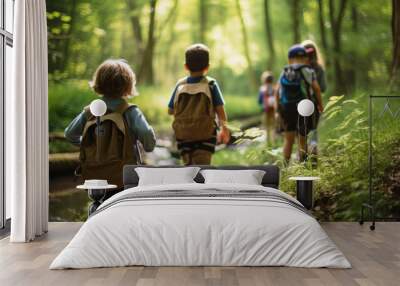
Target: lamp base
305 193
96 195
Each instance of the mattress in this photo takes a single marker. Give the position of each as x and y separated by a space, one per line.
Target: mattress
201 225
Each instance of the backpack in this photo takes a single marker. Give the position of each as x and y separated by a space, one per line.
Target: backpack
194 116
294 86
268 98
103 157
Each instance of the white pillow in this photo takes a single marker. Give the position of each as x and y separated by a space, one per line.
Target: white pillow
248 177
166 176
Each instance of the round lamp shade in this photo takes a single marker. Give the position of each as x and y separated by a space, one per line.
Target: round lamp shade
305 107
98 107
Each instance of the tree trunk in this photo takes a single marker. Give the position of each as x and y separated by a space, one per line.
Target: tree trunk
395 76
203 20
295 9
269 36
354 17
336 27
252 76
322 30
67 43
353 60
146 70
134 12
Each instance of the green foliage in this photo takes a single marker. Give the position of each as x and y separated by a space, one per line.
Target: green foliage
342 162
83 33
254 154
239 106
66 101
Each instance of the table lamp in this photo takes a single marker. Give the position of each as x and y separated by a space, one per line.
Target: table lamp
305 108
98 108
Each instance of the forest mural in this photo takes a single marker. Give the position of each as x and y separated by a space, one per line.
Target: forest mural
358 40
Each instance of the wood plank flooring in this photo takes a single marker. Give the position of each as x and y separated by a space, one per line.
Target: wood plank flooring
375 257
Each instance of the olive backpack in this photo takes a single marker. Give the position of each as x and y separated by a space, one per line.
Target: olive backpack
104 156
194 116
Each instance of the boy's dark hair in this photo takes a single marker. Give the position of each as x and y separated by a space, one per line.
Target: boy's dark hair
114 78
197 57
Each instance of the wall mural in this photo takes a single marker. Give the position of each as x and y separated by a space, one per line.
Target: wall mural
351 51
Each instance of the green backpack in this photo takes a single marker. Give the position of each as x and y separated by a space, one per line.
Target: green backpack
104 156
194 115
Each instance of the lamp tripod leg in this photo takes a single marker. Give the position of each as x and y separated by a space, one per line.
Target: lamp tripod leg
361 222
372 212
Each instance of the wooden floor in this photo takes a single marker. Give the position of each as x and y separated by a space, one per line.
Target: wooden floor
375 257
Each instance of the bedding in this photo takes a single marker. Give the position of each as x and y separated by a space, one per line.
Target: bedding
201 225
247 177
161 176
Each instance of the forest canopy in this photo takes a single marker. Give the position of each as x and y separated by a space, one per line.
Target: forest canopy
356 37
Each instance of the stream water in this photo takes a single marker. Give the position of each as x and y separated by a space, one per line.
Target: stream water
66 203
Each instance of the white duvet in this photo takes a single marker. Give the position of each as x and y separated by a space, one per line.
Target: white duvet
188 231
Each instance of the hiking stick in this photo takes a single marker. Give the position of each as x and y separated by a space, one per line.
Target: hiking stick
138 154
98 122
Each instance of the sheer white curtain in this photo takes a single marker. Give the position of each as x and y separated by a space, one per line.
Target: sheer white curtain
27 124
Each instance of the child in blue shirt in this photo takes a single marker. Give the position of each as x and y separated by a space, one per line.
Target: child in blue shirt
297 82
115 81
194 151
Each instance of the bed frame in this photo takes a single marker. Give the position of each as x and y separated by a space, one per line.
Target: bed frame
270 179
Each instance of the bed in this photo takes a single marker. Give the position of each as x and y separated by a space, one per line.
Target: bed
201 224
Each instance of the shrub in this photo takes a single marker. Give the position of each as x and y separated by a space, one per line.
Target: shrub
342 162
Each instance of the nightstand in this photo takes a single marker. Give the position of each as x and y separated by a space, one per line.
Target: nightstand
97 190
304 190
